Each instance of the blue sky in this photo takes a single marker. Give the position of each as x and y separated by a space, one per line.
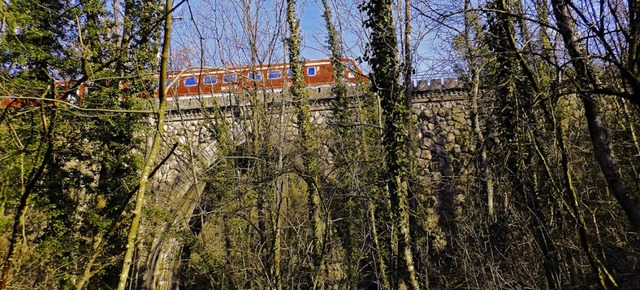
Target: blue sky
209 12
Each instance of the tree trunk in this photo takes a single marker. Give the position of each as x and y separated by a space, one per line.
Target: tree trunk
604 278
309 148
597 130
472 58
155 148
34 177
385 74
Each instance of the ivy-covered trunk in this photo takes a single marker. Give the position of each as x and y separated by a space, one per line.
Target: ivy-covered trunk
345 151
309 147
385 75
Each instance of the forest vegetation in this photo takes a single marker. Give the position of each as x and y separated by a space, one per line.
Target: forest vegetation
528 178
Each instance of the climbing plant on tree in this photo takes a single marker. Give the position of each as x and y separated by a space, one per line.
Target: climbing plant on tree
385 78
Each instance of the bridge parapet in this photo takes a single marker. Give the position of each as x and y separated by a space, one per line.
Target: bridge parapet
423 91
436 84
240 105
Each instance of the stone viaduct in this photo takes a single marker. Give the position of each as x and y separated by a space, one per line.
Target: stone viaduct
441 132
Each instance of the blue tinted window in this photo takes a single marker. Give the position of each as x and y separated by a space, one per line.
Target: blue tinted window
229 78
290 73
192 81
168 83
274 74
210 80
311 71
256 76
351 66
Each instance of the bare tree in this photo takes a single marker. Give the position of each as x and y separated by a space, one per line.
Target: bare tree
587 80
155 148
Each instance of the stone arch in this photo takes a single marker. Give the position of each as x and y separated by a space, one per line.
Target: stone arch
176 192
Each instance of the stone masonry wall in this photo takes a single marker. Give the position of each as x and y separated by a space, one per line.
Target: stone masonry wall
442 131
441 143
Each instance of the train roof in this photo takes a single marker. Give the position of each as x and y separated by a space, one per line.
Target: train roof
235 69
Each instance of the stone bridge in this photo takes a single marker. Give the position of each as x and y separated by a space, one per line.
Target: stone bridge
441 125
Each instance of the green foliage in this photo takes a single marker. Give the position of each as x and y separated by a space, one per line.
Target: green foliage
33 41
96 156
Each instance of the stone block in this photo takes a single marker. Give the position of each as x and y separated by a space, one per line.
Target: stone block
417 133
425 154
428 113
422 85
435 84
451 138
450 83
427 134
448 147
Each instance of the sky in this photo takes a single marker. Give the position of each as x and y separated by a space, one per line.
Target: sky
206 17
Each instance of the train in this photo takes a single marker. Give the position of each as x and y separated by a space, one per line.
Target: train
317 73
218 81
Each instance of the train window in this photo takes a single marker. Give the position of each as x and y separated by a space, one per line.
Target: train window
192 81
274 74
210 80
256 76
229 78
311 71
351 66
290 73
72 98
168 83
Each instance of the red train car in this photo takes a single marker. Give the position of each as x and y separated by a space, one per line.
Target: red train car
211 82
6 103
62 89
317 73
